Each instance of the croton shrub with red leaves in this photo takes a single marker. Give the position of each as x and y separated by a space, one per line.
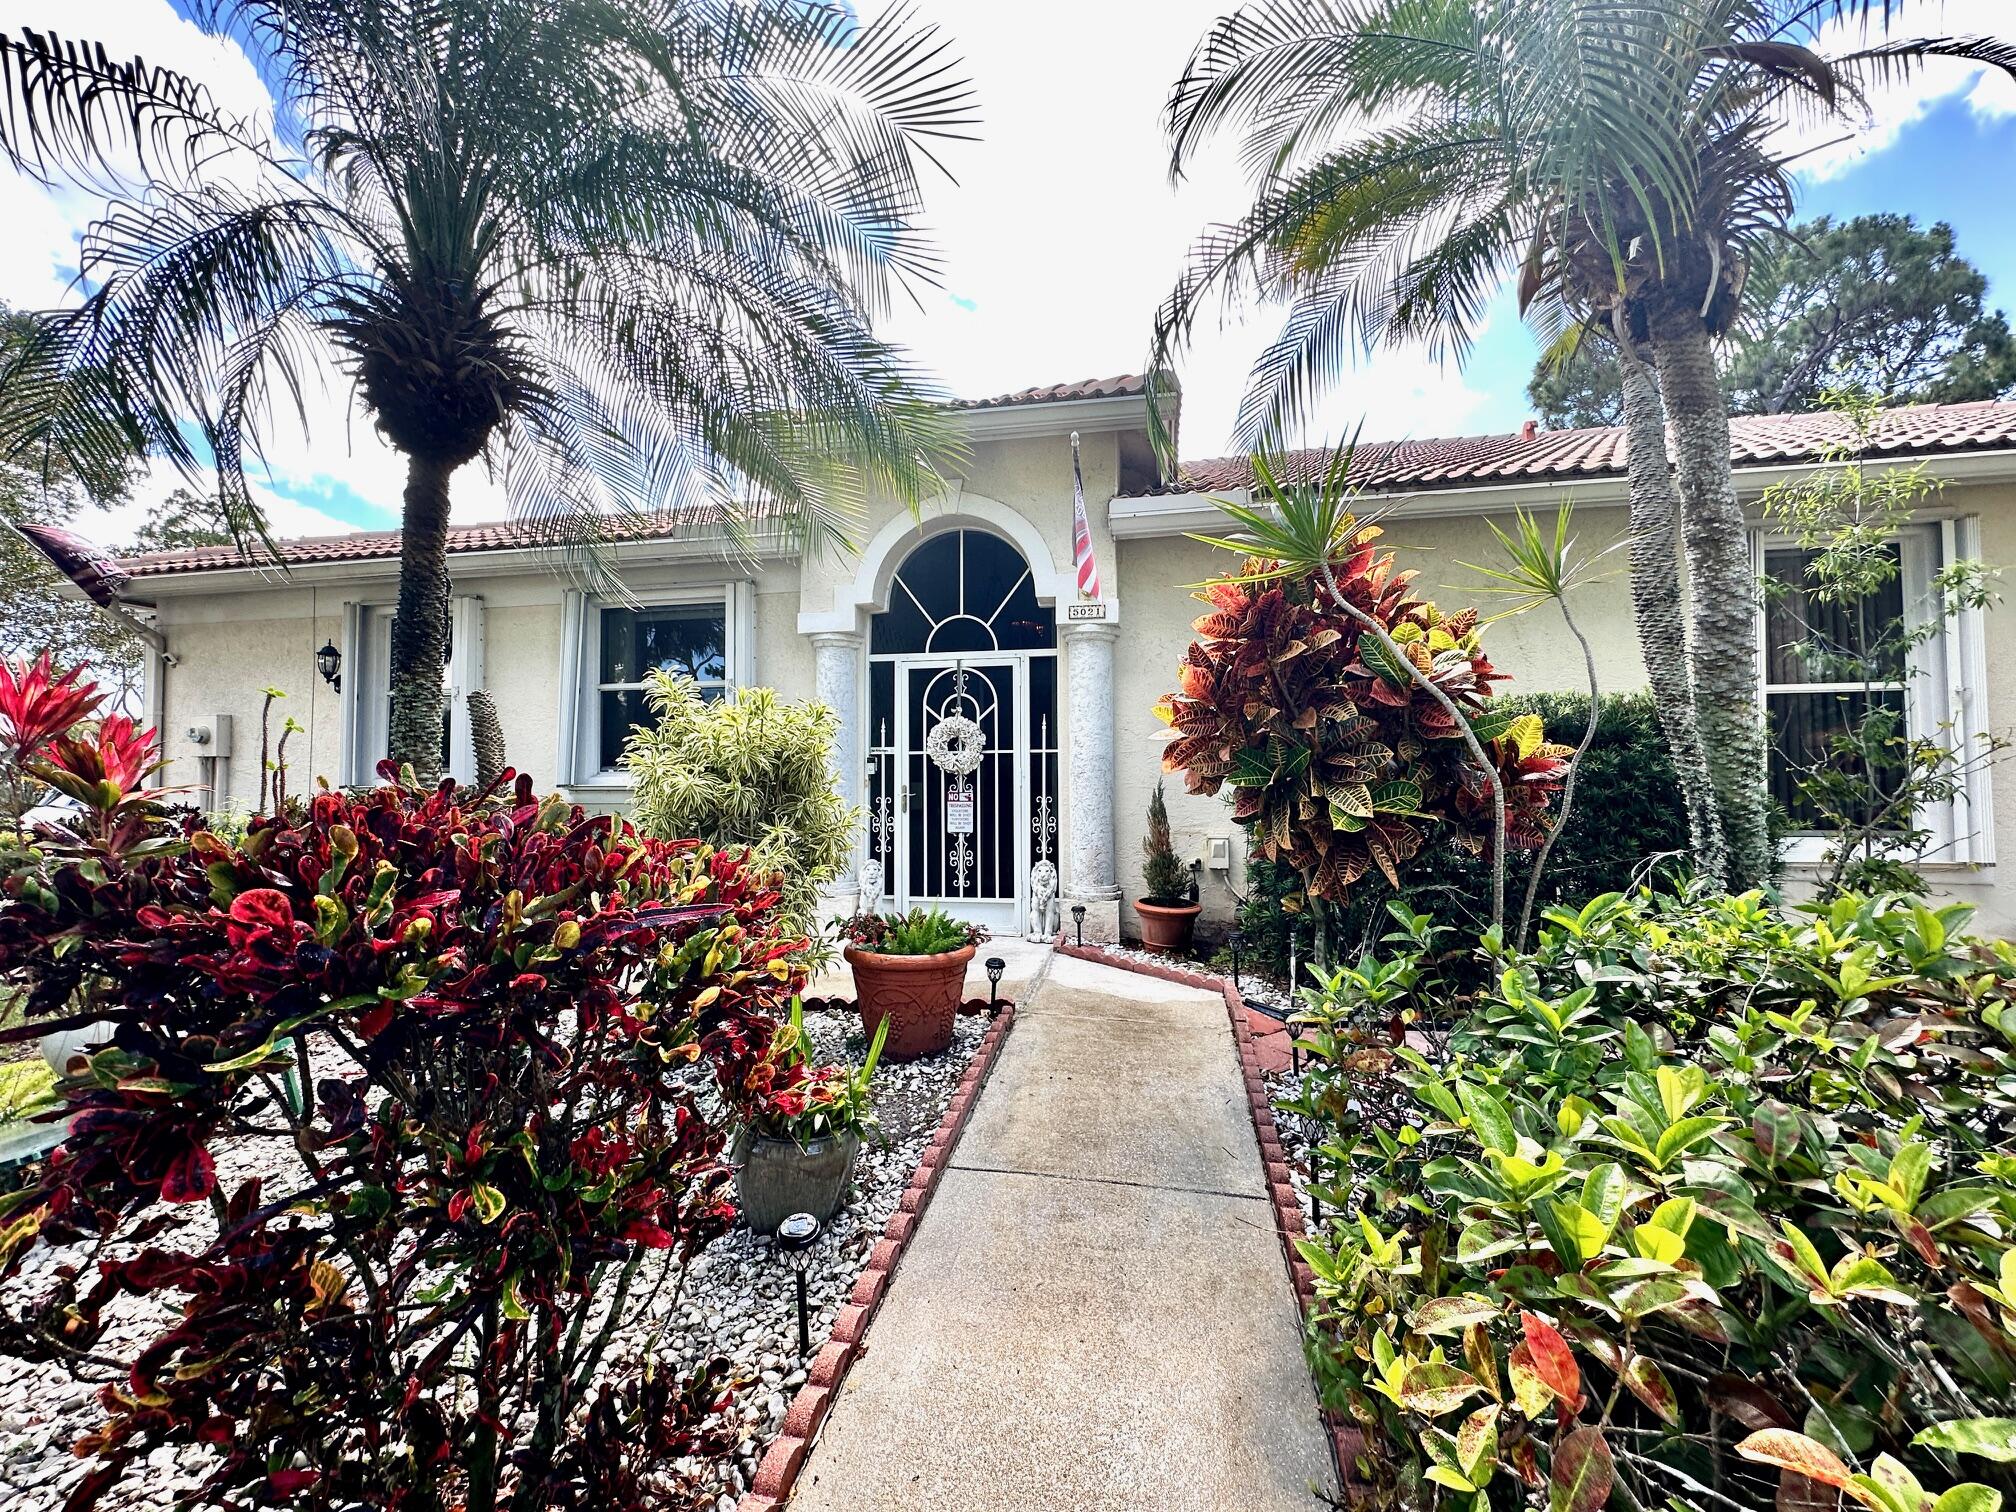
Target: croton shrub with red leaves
1339 762
397 1113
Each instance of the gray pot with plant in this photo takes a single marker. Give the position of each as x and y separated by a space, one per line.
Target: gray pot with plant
800 1134
1168 910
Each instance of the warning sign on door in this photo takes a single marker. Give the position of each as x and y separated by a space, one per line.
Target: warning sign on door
959 811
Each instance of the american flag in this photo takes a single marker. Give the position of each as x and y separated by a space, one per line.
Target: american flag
1081 531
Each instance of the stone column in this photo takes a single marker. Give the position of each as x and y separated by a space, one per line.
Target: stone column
837 683
1090 877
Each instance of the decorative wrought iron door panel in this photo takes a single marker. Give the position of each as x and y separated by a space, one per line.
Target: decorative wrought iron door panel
961 827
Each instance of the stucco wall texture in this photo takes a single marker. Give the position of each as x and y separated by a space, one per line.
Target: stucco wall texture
231 646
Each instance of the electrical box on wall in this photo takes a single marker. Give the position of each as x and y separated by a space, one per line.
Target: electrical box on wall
1218 853
212 736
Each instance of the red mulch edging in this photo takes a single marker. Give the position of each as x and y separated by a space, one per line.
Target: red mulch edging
777 1472
1263 1046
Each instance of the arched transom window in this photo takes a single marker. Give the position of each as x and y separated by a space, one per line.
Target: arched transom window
965 591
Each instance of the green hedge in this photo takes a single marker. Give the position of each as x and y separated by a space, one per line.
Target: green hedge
1704 1203
1628 810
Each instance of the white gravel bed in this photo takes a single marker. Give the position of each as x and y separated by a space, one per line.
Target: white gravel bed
1295 1132
1260 991
737 1299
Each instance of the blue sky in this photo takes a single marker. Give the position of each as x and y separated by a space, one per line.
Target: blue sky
1060 232
1953 164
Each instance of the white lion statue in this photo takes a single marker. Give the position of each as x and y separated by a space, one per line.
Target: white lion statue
1043 914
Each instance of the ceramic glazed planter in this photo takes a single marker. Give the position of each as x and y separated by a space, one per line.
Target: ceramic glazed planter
919 995
66 1049
779 1177
1166 926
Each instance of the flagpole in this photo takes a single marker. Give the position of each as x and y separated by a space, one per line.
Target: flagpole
1082 561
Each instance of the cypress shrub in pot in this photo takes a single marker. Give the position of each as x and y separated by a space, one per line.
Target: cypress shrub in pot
1168 912
802 1127
908 971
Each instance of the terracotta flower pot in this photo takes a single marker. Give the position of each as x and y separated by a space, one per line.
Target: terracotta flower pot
919 995
1166 926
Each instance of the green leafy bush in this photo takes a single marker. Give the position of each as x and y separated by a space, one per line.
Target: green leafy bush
1706 1203
920 932
750 770
1628 825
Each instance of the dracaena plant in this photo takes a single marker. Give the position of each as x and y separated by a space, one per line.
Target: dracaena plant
1711 1205
398 1113
1349 716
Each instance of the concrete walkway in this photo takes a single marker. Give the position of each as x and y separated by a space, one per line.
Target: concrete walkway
1094 1313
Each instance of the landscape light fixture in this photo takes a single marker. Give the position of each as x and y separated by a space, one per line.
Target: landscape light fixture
1236 942
995 966
795 1235
329 662
1078 918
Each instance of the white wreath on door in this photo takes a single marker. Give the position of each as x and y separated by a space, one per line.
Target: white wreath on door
956 745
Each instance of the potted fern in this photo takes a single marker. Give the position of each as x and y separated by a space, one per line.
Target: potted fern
908 973
802 1126
1168 912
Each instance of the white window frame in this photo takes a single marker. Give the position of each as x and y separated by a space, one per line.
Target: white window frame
1942 676
367 659
580 732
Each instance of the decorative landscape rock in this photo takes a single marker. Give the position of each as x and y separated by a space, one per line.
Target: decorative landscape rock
735 1300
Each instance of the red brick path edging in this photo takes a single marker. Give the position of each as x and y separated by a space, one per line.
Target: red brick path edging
1256 1056
777 1472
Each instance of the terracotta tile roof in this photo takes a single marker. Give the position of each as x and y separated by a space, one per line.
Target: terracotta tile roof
1755 440
1125 386
1410 466
377 545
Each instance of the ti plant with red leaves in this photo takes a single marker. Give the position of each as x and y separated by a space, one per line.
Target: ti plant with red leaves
398 1113
1346 713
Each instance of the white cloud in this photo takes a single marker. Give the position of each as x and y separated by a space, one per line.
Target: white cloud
1065 234
119 525
338 449
1834 147
1062 234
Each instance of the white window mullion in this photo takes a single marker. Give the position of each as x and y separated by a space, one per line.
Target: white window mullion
575 612
1967 681
465 676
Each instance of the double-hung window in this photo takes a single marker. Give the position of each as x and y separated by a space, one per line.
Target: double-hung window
687 640
610 651
1827 665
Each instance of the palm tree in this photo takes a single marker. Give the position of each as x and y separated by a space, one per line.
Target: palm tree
1411 157
630 252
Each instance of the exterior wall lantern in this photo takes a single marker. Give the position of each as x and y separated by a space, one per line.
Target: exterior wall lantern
329 662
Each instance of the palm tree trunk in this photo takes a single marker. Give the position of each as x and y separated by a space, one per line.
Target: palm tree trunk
1723 583
1657 606
420 628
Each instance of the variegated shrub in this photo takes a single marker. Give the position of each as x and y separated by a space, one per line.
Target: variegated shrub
1708 1205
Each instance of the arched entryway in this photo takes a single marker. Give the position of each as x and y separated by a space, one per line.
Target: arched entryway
965 643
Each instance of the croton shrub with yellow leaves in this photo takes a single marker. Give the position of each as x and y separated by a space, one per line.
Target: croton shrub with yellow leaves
1707 1204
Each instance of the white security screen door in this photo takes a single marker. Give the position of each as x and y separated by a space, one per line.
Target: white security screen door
964 637
959 846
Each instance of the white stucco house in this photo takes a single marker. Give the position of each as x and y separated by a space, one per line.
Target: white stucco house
973 607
